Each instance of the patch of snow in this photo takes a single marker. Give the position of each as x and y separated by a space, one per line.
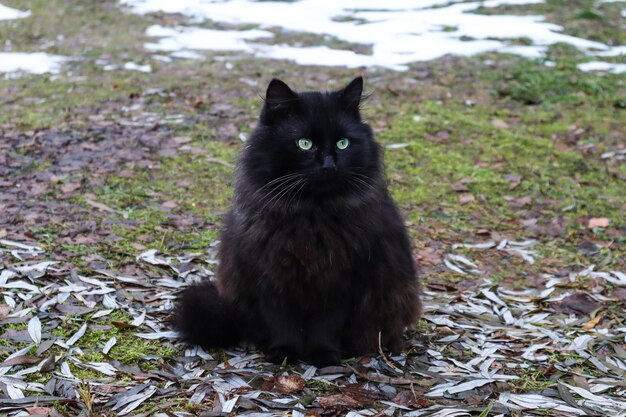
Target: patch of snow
399 32
615 51
15 63
186 54
131 66
7 13
180 38
32 63
602 66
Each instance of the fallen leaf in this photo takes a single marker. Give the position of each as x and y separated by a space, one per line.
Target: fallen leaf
181 139
459 186
514 180
289 384
579 303
339 401
34 329
4 311
466 198
20 360
593 322
499 123
99 206
170 204
42 411
598 222
79 333
429 256
69 187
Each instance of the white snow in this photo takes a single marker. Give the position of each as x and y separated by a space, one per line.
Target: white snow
399 32
7 13
602 66
131 66
32 63
14 63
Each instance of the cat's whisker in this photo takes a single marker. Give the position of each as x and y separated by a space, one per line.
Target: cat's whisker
364 186
277 197
281 178
366 177
277 186
287 195
359 187
298 193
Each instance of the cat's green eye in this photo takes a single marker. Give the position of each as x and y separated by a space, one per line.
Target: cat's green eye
305 144
343 143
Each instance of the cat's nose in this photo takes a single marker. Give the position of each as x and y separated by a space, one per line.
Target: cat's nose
328 165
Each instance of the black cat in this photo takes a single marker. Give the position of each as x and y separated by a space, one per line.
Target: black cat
315 261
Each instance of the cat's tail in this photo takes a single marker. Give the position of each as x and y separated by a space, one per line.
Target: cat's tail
204 318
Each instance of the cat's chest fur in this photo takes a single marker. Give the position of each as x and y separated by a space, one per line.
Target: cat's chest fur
315 246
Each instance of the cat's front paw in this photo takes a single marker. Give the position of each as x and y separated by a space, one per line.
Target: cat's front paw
321 357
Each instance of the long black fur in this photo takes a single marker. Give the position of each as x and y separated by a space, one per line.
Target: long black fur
315 260
206 319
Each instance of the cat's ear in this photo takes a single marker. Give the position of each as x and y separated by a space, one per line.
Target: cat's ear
279 98
351 95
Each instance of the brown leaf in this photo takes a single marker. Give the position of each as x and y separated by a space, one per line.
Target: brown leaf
579 303
429 256
619 294
593 322
443 134
459 186
180 140
598 222
499 123
520 201
339 401
21 360
42 411
68 187
4 310
514 180
170 204
99 206
466 198
289 384
38 189
513 177
122 324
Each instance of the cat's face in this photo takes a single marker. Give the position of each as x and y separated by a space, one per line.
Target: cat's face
313 142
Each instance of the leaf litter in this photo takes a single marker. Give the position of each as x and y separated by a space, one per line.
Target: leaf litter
557 347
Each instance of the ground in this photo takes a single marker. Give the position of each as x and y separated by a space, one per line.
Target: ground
510 174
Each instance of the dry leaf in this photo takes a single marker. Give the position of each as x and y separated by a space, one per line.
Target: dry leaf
459 186
598 222
4 311
289 384
339 401
593 322
466 198
69 187
579 303
99 206
34 329
429 256
499 123
170 204
42 411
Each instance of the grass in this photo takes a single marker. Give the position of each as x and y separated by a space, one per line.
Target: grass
482 121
